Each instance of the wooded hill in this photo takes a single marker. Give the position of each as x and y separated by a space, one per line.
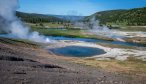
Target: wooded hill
37 18
134 17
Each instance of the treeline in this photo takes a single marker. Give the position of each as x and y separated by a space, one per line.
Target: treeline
38 18
132 17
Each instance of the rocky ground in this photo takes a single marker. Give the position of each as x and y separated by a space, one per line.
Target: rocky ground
30 64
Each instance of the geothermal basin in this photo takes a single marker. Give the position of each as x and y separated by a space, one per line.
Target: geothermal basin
81 47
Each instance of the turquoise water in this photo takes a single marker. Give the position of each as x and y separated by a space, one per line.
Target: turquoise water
77 51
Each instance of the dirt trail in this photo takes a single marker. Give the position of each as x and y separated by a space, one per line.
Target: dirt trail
25 65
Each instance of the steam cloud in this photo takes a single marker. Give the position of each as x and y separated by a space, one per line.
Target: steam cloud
103 30
100 30
92 26
12 25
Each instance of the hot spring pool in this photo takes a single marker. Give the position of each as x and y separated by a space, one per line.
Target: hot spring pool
77 51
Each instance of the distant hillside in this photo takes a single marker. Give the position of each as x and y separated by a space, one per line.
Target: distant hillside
37 18
136 16
69 17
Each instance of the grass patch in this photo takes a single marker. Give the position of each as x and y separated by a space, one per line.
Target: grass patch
141 40
75 33
133 28
133 59
57 32
131 66
19 42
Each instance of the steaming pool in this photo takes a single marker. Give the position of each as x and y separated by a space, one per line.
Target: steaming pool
77 51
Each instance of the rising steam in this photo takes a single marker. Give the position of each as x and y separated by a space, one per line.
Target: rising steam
103 30
93 27
97 29
12 25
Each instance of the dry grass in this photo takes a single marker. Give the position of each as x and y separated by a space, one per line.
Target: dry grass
131 66
18 42
141 40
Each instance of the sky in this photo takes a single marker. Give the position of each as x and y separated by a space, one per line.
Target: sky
76 7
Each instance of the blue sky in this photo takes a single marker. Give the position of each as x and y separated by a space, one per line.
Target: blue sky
76 7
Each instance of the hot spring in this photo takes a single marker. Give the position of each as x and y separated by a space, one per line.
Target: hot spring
77 51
